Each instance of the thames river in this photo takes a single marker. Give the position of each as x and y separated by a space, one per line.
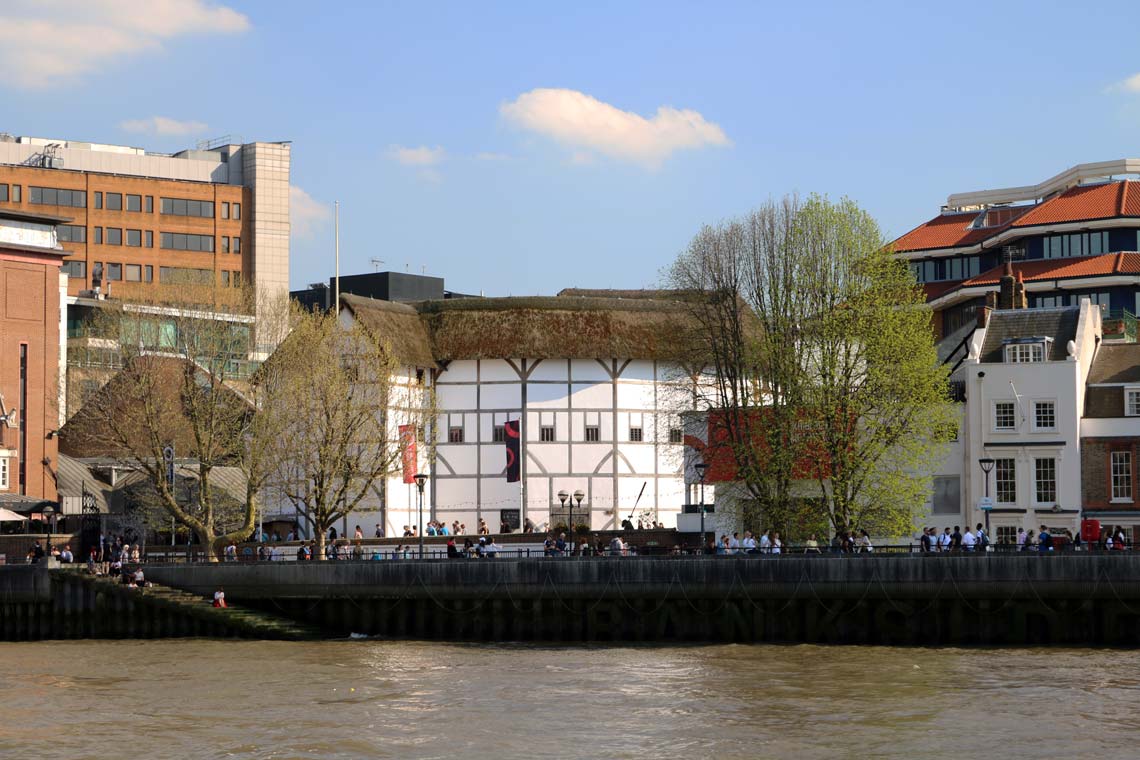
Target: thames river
376 699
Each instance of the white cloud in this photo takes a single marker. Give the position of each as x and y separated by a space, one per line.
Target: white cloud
491 156
586 124
44 43
421 156
164 126
305 213
1131 84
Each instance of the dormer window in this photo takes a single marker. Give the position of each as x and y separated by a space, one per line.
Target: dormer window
1025 351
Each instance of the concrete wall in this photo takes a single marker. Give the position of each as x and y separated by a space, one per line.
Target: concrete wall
911 599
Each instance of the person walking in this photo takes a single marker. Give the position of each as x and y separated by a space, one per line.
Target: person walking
865 542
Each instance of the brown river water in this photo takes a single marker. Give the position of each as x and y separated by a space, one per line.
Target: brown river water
382 699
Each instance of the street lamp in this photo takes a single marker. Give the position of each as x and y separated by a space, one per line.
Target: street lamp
702 468
48 511
562 497
578 496
420 479
987 465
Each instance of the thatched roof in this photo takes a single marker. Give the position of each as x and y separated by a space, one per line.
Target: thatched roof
397 324
562 327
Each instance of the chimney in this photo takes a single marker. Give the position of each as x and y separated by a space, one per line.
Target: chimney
1007 287
1020 300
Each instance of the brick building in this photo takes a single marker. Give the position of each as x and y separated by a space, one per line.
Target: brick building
30 291
1110 438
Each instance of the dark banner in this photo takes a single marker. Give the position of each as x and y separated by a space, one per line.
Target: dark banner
511 436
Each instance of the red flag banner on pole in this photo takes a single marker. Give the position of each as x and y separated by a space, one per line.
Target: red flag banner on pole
408 442
511 437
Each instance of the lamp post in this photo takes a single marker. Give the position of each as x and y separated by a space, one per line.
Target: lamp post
987 465
578 496
48 511
702 468
562 497
420 479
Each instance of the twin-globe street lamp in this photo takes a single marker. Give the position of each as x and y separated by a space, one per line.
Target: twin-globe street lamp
578 496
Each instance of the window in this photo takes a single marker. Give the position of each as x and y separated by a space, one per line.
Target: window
51 196
114 201
114 272
1076 244
4 473
178 241
186 207
15 193
237 211
1006 534
593 434
455 434
936 270
1045 480
225 278
225 244
71 233
134 238
99 235
149 239
133 273
498 433
114 236
1132 402
1005 481
150 204
134 203
3 192
1005 415
676 435
1044 415
148 273
1021 353
546 434
1121 464
947 496
237 284
98 200
635 434
237 245
76 270
225 210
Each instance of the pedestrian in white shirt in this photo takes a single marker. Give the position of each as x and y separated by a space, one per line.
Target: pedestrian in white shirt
765 543
968 540
749 542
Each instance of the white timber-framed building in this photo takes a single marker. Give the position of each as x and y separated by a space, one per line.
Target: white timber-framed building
597 380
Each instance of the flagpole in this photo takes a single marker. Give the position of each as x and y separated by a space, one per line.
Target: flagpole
336 225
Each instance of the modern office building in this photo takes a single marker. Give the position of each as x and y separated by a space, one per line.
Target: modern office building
1071 237
135 218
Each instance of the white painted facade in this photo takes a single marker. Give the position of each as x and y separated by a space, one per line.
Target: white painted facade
1029 387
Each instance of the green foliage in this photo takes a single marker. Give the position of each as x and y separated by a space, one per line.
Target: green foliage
823 357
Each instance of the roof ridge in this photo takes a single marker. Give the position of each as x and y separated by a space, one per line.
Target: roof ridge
1123 198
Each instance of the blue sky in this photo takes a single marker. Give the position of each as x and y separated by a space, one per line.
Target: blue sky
519 148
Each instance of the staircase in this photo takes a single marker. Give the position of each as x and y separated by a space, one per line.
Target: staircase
108 609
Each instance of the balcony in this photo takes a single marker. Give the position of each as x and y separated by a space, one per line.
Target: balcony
1119 326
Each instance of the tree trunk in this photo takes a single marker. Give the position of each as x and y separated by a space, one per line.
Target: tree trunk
322 537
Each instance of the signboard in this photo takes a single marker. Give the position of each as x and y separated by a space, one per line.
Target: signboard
510 517
986 503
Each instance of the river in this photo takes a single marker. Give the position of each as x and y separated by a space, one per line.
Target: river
382 699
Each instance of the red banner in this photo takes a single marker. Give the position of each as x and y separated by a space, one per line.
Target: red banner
408 442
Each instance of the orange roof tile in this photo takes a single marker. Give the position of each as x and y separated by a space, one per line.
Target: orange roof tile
1060 269
943 231
1086 202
